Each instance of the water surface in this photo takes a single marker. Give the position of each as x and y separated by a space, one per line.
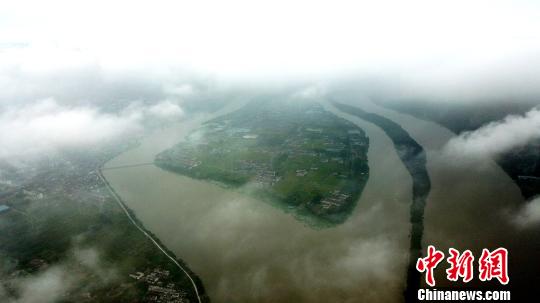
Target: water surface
245 250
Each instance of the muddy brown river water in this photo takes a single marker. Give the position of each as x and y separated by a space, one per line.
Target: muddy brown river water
245 250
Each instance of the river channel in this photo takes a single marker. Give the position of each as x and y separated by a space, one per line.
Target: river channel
245 250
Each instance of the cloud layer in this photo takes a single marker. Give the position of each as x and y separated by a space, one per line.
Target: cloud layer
242 38
529 214
493 139
51 284
46 126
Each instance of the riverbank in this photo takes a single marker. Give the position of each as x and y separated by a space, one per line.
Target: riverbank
246 250
198 288
413 157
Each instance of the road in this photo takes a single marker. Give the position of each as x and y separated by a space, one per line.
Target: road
124 208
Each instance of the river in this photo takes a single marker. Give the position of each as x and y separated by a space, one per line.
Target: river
471 202
245 250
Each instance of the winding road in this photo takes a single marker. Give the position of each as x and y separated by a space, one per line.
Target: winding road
121 204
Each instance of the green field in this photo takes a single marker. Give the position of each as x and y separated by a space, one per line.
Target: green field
296 155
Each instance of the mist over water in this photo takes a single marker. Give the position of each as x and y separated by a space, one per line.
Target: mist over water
472 204
68 81
246 250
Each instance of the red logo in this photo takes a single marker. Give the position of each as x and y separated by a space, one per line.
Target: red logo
494 265
429 263
490 265
460 265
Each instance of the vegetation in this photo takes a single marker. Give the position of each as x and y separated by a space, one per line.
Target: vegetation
521 164
64 211
298 156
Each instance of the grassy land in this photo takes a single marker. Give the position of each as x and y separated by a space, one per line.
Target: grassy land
299 156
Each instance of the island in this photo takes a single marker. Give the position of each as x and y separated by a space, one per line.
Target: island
295 155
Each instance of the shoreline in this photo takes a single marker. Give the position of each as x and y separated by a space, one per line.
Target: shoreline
301 214
196 282
413 156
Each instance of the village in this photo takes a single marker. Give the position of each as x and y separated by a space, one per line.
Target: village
63 206
160 288
273 150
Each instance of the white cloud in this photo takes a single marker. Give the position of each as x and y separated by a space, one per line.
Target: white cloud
529 214
45 126
166 110
90 258
242 37
45 287
498 137
242 40
310 93
180 90
52 283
